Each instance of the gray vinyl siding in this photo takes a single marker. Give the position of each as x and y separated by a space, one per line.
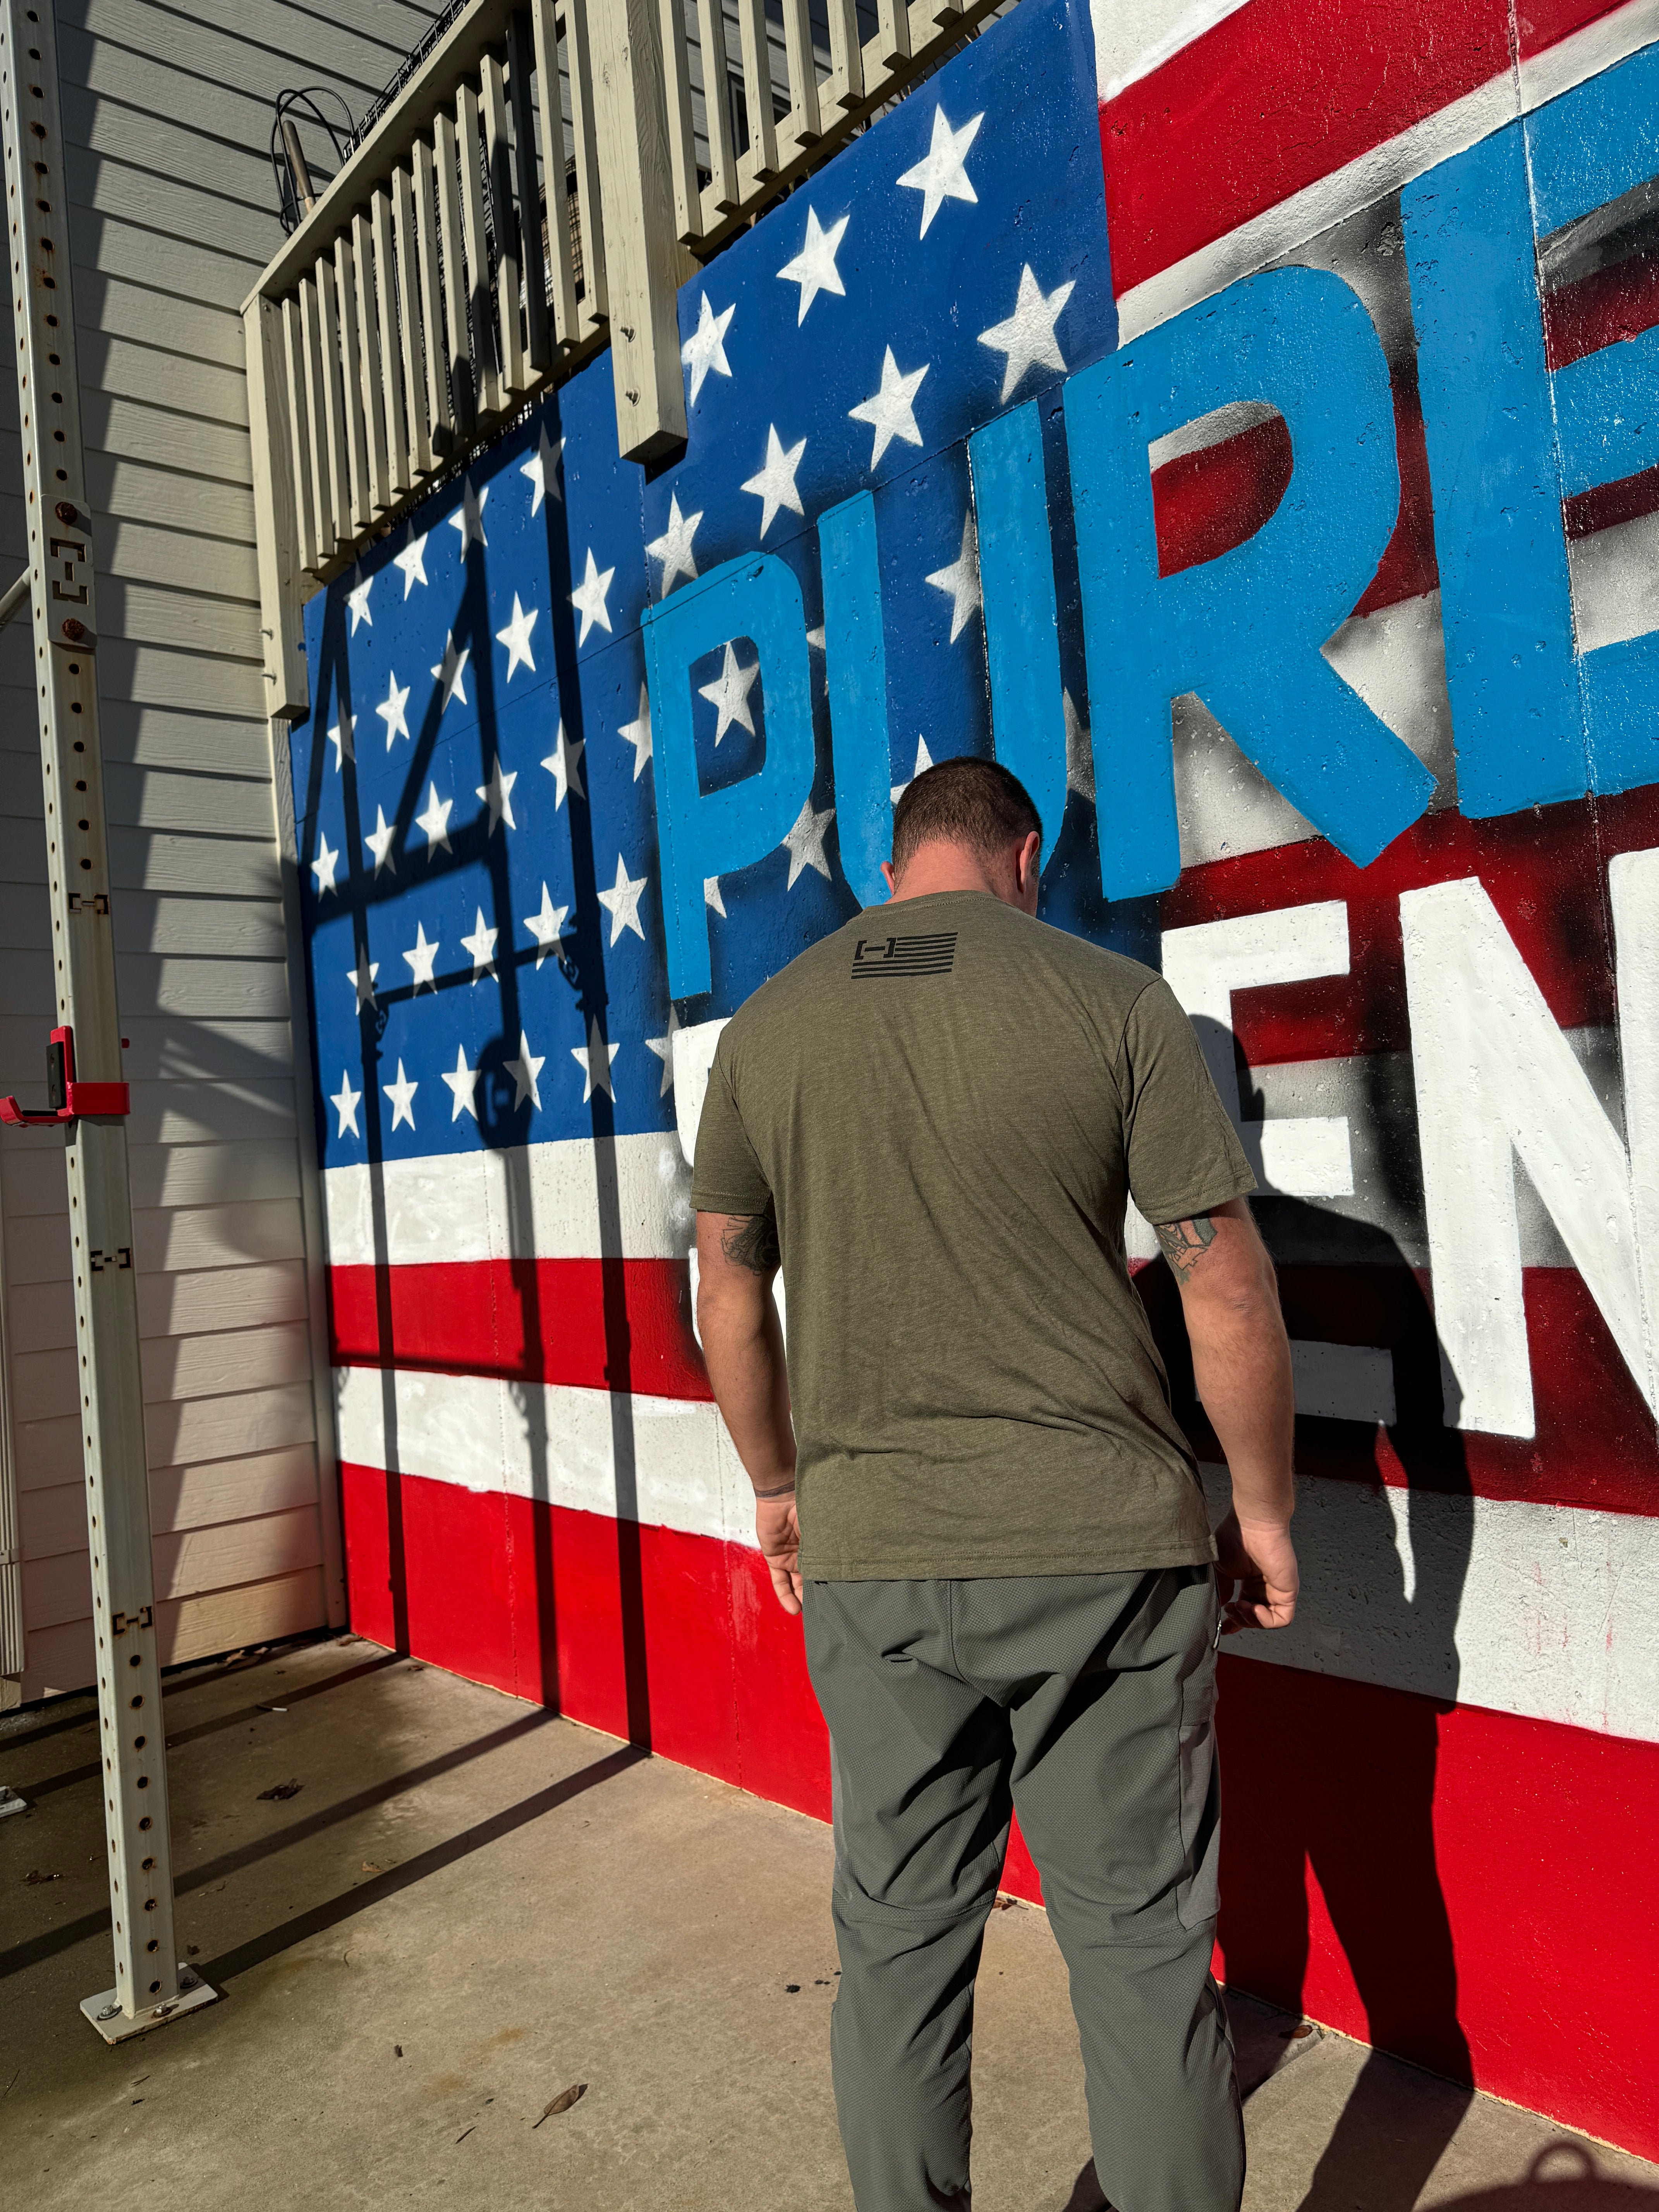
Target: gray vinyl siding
168 110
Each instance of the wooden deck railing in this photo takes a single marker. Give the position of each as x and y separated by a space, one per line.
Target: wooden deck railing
541 184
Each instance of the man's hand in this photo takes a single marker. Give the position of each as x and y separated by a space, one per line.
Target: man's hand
779 1534
742 1346
1257 1561
1241 1371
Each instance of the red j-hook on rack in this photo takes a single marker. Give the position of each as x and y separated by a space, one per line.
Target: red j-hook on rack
67 1099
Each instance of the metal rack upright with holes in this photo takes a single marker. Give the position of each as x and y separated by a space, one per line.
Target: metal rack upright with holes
89 1096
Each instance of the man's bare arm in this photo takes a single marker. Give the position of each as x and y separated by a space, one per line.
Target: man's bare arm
1241 1370
743 1345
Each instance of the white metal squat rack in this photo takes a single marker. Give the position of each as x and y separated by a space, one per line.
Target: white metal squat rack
88 1096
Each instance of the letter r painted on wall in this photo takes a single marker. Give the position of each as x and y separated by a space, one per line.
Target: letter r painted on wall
702 833
1243 631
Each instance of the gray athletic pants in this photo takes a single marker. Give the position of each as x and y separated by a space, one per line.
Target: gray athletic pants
1088 1703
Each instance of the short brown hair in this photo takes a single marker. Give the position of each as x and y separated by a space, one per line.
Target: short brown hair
976 803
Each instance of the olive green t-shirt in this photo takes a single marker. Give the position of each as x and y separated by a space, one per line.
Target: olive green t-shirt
948 1104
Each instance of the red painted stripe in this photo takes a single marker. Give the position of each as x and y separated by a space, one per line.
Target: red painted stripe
1595 1445
1207 503
1545 870
1458 1886
599 1324
1476 1877
1610 504
1600 309
1282 93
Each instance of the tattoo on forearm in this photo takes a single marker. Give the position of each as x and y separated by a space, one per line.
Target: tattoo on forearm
1184 1243
751 1242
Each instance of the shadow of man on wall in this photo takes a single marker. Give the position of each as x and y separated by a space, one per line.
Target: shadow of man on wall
1330 1730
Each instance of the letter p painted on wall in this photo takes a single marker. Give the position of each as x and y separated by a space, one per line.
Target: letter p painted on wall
702 833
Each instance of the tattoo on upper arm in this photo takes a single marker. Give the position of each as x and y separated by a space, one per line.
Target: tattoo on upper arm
750 1241
1184 1243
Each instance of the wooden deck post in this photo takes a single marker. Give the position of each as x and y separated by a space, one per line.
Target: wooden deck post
642 256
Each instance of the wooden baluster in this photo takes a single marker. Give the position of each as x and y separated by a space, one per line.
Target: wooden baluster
389 270
722 196
539 336
480 295
300 442
760 162
561 259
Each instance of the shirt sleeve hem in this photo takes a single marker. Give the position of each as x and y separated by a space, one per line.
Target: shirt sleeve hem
728 1201
1209 1196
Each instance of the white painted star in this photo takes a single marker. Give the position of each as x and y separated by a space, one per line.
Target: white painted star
1028 336
340 737
1079 753
729 694
362 983
805 843
638 733
324 866
402 1095
889 410
774 485
450 672
482 945
564 764
497 796
705 348
524 1071
594 1061
815 639
543 469
939 175
961 579
357 600
378 842
588 597
673 547
546 926
664 1049
435 820
344 1102
516 638
814 267
412 561
924 761
391 709
711 896
468 517
462 1082
421 956
622 902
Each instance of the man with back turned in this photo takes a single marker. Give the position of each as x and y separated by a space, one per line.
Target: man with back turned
932 1120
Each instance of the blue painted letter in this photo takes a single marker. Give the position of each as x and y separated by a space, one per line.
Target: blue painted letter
855 666
711 834
1244 630
1022 640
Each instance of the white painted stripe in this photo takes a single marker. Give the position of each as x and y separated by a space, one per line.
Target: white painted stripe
1282 228
1550 1611
1547 1610
470 1206
1133 40
668 1460
567 1199
1344 1382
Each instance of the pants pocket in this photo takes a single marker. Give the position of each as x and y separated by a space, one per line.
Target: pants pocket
1198 1894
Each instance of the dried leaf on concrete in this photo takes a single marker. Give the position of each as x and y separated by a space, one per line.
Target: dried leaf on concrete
281 1789
563 2102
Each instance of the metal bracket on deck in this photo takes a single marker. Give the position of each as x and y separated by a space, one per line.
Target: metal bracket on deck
68 1098
115 2026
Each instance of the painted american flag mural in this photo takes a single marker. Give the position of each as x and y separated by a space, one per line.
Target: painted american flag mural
1243 420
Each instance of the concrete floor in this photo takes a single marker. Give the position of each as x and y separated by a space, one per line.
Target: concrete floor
470 1906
